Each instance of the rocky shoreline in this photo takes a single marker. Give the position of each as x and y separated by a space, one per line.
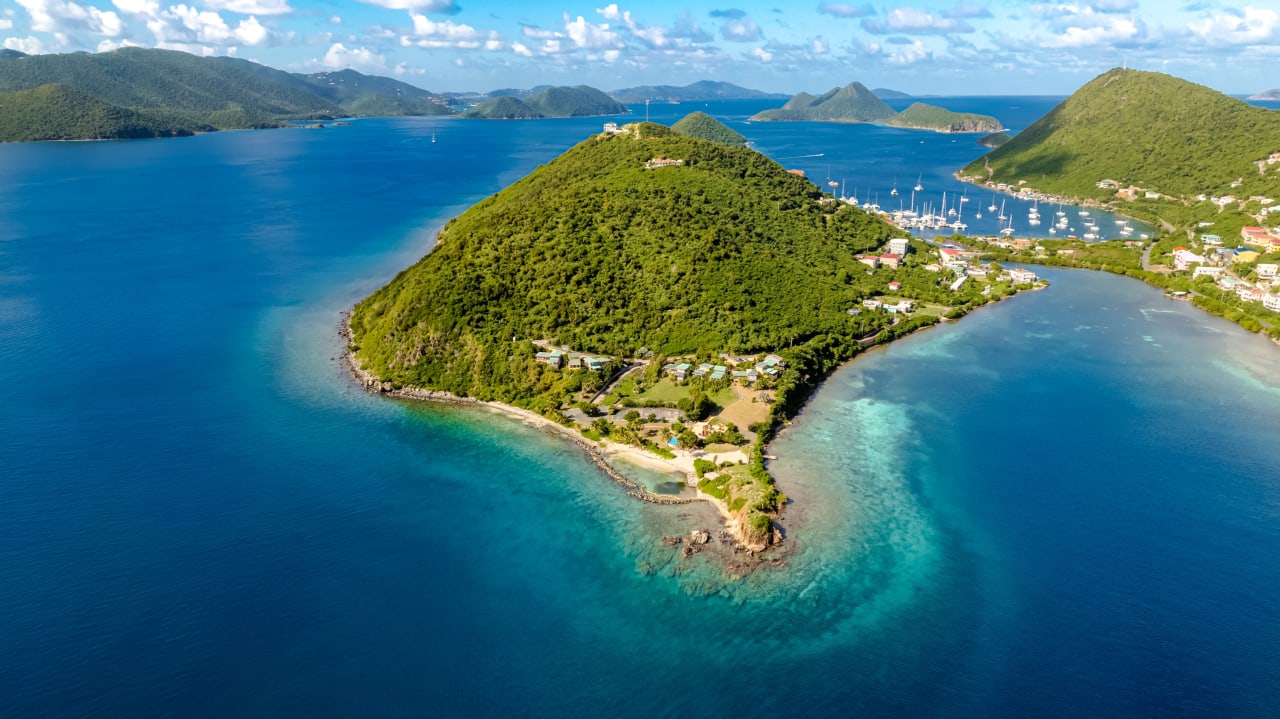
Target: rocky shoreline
739 559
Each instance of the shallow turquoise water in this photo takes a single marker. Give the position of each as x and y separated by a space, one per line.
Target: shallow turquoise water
1064 505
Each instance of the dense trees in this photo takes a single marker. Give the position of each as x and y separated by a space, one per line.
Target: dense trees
136 92
727 252
1151 130
705 127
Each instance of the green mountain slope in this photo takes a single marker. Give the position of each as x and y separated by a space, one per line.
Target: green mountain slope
851 103
694 92
183 92
58 112
920 116
705 127
502 108
726 252
578 101
1143 128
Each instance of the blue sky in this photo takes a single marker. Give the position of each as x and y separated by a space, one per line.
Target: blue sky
958 47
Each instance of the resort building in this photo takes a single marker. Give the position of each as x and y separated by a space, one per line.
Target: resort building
1271 302
890 259
899 246
1267 270
1020 276
1206 271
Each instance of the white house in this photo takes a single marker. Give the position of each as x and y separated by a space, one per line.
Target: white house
1271 302
1021 276
1267 270
898 246
1184 258
1206 271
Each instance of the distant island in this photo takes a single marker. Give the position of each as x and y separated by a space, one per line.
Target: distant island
702 126
885 93
1268 95
920 116
578 101
701 91
137 92
855 103
655 294
1207 173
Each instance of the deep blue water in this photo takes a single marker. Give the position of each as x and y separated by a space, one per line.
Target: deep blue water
1065 505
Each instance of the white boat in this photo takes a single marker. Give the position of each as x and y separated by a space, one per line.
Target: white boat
433 138
1001 216
958 226
918 186
1090 236
979 215
992 206
1006 231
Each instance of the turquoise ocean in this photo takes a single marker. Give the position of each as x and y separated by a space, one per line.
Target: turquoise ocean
1064 505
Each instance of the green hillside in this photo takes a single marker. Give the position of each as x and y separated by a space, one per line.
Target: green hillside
726 252
502 108
578 101
178 93
1146 129
58 112
851 103
920 116
700 91
702 126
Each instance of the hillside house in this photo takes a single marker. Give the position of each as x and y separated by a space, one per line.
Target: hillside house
554 358
1254 235
1267 270
662 162
1206 271
872 261
890 259
895 286
1271 302
1211 240
899 246
1249 294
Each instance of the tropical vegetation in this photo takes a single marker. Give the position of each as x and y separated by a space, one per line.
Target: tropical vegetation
702 126
579 101
137 92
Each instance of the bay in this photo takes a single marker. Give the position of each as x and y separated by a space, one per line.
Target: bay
1063 505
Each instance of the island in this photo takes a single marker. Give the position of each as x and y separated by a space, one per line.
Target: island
577 101
1267 95
855 103
995 139
920 116
137 92
1201 165
700 91
661 295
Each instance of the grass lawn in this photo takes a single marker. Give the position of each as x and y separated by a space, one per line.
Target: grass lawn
666 390
932 310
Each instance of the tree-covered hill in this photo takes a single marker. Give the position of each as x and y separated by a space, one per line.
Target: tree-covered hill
920 116
578 101
1147 129
181 93
503 107
851 103
700 91
705 127
726 252
58 112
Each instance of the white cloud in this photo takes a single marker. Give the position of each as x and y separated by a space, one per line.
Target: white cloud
30 45
108 45
1251 26
588 35
429 34
521 49
6 24
66 16
839 9
761 54
250 7
335 20
610 12
433 7
187 24
910 54
916 22
339 57
742 29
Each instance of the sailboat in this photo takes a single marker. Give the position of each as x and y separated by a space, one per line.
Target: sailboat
433 138
919 186
992 206
1001 216
894 191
